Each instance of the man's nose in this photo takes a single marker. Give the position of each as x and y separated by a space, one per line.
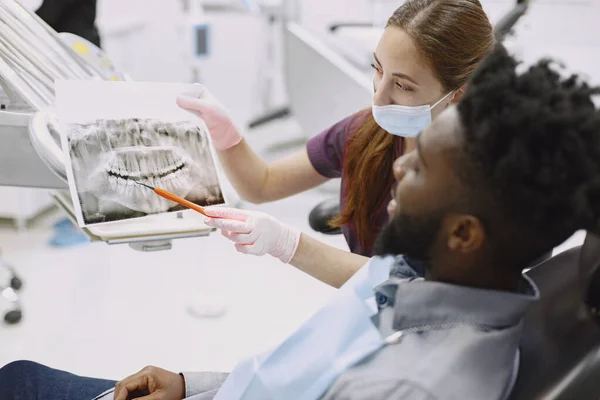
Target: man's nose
393 190
399 168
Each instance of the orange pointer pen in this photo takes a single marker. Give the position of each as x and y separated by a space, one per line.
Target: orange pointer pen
170 196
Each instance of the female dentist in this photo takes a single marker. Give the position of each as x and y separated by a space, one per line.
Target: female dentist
421 65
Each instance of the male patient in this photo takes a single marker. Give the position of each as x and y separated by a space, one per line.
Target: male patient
505 176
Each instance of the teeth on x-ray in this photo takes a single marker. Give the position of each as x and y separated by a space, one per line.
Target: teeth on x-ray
135 163
108 156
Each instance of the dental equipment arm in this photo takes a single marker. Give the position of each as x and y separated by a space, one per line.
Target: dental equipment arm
255 180
258 234
32 57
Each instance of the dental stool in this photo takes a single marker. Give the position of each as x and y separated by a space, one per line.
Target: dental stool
319 217
560 347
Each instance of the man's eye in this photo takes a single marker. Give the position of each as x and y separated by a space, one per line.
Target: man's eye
416 165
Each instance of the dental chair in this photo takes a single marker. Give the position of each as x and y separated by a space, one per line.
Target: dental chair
560 347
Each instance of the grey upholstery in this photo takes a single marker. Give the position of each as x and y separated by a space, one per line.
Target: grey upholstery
560 348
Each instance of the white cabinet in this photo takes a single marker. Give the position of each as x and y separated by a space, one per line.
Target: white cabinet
23 204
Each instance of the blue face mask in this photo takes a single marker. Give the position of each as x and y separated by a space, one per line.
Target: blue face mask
406 121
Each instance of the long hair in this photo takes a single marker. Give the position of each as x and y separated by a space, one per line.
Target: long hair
453 36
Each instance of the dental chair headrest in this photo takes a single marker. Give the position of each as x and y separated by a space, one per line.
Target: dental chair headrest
589 273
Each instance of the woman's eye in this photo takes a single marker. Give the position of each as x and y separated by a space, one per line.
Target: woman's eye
376 68
402 87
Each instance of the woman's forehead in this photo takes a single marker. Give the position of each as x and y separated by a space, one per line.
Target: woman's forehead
398 53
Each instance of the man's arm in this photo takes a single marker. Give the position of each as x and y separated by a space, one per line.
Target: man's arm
159 383
203 385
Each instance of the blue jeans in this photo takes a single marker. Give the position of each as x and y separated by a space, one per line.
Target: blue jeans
26 380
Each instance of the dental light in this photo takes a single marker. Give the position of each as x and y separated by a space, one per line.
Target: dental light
32 57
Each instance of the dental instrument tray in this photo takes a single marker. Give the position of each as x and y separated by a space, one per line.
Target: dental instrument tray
151 231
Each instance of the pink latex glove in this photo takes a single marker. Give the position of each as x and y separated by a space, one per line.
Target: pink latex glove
255 232
223 132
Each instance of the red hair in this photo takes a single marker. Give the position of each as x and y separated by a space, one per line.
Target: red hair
453 36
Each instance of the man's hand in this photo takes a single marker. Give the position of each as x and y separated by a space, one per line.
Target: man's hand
151 383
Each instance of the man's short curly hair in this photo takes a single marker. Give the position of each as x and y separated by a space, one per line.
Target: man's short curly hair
532 152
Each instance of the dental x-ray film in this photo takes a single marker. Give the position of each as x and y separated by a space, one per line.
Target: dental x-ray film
116 133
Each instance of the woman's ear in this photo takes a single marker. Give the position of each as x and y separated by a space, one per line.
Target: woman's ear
458 94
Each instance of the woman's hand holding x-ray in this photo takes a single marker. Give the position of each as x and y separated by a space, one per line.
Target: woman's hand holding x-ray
223 132
255 232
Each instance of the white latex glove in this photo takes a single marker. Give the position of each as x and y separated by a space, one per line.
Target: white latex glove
222 130
255 232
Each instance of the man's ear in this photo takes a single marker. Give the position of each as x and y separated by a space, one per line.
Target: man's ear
458 94
465 233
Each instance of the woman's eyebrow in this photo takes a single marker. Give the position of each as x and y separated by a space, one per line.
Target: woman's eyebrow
397 74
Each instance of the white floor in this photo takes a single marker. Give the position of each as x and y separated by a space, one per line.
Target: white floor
108 311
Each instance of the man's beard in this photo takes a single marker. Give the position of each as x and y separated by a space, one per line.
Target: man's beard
412 236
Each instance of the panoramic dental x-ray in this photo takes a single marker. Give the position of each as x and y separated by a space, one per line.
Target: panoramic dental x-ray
109 156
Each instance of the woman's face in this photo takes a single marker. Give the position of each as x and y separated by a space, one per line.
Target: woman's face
401 75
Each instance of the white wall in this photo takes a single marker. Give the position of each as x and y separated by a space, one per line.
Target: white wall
146 38
158 51
318 15
143 38
567 31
